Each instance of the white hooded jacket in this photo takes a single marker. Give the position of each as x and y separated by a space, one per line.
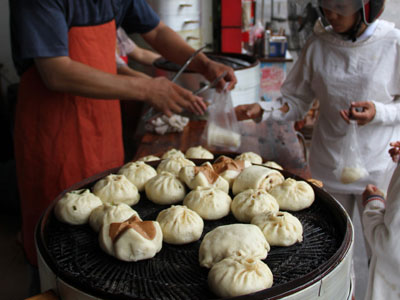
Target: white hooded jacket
381 228
338 72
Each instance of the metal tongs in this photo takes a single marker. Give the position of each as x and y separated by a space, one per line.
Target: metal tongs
211 85
150 112
183 68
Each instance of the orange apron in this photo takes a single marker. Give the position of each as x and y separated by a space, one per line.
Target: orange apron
60 138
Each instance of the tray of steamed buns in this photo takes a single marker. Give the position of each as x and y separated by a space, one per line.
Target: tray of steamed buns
193 225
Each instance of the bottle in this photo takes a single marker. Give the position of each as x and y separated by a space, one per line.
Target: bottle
267 38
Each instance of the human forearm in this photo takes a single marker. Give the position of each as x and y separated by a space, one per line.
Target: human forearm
126 70
171 46
374 227
63 74
143 56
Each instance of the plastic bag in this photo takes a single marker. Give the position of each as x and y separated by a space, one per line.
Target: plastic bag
222 129
351 167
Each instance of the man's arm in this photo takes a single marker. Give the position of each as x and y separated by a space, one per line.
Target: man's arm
63 74
171 46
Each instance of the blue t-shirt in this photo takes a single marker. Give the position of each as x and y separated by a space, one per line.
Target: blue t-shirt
39 28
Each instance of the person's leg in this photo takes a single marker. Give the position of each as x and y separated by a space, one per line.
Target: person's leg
347 201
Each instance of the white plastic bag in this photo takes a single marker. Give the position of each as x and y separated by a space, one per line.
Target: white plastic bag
351 167
222 129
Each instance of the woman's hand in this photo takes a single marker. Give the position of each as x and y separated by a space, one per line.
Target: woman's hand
248 111
372 190
395 151
170 98
363 112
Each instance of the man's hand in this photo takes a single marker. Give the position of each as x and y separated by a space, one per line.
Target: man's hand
170 98
248 111
214 69
363 112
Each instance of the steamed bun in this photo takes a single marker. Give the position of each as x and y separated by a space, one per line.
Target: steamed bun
293 195
133 239
198 153
114 189
76 206
165 188
239 275
180 225
149 158
233 239
252 157
279 228
203 175
249 203
172 153
209 202
116 214
138 173
108 213
257 177
174 165
273 164
229 168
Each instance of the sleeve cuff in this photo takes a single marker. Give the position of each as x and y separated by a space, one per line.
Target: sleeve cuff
379 112
375 201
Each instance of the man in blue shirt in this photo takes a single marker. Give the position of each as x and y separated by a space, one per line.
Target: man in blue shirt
68 123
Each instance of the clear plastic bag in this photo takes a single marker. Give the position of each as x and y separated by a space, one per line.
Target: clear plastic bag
222 129
351 166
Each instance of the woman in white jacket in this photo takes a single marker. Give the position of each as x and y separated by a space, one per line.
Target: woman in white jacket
351 64
381 222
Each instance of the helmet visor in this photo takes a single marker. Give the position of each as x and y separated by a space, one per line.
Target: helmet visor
343 7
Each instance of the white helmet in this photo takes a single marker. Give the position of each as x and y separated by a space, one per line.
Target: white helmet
369 9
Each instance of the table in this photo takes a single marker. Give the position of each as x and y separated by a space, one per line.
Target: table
273 140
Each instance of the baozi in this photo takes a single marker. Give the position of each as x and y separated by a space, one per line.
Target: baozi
76 206
257 177
273 164
198 153
209 202
116 214
293 195
172 153
239 275
134 240
279 228
108 213
180 225
174 165
138 173
149 158
115 189
229 168
203 175
165 188
249 203
233 239
252 157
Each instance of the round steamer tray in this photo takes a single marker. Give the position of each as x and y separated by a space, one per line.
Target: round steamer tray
74 255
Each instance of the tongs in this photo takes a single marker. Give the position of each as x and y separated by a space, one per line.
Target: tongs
211 85
149 114
183 68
